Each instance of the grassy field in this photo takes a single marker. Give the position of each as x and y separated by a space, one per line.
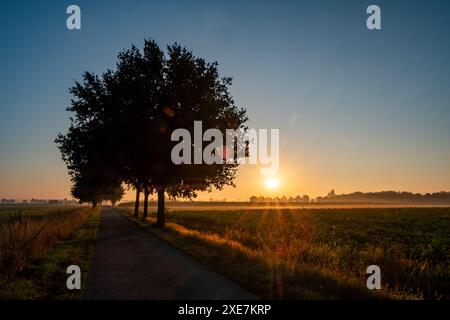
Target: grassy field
235 206
34 211
321 253
36 249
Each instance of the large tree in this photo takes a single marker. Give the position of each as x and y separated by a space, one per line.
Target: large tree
88 146
192 91
92 180
130 114
168 92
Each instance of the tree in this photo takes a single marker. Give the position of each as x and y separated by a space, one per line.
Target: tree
88 147
164 93
187 89
127 117
136 91
93 190
92 181
115 194
331 194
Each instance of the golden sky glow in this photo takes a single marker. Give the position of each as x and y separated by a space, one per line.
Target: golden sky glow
354 114
311 172
272 183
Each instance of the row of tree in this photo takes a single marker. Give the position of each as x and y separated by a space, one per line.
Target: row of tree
373 197
4 200
304 199
388 197
120 133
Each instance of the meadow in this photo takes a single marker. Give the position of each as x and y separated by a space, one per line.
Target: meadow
319 253
35 211
37 243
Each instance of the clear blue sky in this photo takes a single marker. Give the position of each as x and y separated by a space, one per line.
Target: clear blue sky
358 109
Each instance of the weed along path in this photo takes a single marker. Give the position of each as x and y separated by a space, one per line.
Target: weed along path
130 263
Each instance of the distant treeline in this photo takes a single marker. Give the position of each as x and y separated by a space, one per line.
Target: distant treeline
8 200
304 198
388 197
39 201
368 197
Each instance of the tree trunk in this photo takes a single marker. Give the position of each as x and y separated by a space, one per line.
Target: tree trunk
145 214
136 204
160 216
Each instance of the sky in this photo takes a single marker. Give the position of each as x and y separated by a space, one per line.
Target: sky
357 109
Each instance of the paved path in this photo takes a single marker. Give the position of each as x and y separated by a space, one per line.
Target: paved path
131 263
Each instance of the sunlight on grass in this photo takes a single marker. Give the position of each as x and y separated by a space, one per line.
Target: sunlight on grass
321 253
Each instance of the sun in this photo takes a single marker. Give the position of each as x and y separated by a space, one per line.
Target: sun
272 183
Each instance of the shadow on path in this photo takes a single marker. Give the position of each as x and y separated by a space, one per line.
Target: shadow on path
130 263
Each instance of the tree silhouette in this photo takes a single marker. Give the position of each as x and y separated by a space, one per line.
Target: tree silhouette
184 90
88 146
94 190
92 183
125 119
114 194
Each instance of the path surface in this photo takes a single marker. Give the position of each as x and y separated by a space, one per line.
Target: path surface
131 263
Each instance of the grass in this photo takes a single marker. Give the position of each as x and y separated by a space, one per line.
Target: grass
38 271
321 253
35 211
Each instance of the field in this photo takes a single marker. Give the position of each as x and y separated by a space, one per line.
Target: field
240 205
32 210
37 243
320 253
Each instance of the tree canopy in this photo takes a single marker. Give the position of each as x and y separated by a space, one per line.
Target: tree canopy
123 122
